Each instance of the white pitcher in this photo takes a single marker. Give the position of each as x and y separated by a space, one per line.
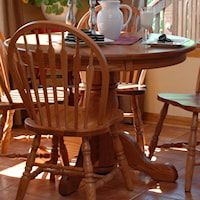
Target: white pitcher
110 19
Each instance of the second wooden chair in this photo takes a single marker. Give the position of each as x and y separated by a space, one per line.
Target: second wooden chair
188 102
131 83
9 100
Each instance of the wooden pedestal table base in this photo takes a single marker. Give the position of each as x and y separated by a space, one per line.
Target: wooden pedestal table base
136 159
127 58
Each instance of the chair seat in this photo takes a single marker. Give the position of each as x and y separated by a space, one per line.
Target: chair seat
16 98
130 89
93 127
190 102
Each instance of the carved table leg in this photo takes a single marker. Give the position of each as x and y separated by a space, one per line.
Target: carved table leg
103 163
137 160
69 184
103 158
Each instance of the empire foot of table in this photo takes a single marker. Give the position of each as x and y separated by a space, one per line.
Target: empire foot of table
136 159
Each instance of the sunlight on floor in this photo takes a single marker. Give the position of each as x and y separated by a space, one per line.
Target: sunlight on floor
17 170
156 190
29 137
14 171
179 149
154 158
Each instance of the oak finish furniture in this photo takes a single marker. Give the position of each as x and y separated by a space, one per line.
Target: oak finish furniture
9 101
188 102
131 83
131 57
140 56
65 116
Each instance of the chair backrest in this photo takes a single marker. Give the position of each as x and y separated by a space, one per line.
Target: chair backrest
4 78
132 26
136 76
59 65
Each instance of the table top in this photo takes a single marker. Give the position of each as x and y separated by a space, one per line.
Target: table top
138 55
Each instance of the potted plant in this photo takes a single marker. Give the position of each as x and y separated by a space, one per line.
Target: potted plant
55 8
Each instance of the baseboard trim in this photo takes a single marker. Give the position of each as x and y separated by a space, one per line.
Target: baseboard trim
152 118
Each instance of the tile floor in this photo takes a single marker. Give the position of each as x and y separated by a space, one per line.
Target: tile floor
144 187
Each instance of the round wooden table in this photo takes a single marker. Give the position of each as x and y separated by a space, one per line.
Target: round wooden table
138 55
130 57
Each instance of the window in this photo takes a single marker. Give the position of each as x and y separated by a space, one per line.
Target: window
177 17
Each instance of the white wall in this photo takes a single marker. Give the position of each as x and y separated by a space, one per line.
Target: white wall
179 78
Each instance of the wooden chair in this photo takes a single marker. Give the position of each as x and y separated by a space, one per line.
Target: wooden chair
66 116
188 102
9 100
131 83
132 26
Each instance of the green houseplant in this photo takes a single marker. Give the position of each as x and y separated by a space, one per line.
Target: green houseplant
54 6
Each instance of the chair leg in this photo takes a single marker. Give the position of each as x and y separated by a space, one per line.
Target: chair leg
6 127
121 158
54 155
26 177
137 122
63 152
190 161
154 140
88 169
